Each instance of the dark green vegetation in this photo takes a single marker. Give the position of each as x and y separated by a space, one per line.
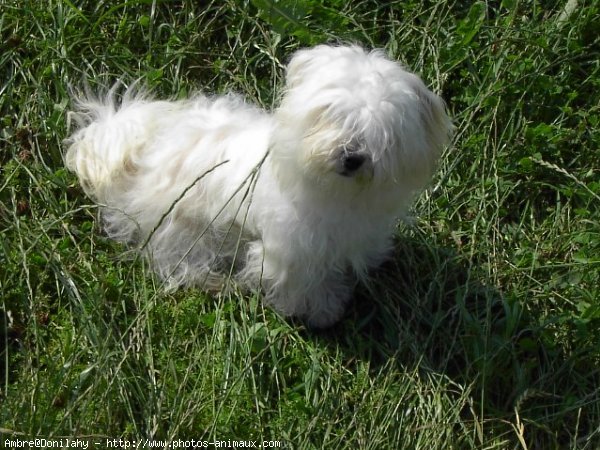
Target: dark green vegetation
483 332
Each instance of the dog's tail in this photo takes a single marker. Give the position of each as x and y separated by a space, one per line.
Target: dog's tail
108 138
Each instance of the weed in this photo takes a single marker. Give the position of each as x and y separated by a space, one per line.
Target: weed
480 332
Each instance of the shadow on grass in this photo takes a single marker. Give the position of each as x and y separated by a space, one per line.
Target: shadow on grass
428 309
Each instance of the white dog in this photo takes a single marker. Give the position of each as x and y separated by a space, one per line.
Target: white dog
298 203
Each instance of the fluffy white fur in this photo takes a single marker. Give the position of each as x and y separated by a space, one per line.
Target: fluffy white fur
299 202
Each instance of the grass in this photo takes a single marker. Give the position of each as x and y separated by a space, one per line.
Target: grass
482 332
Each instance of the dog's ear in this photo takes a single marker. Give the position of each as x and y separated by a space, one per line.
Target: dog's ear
435 120
425 136
300 63
312 60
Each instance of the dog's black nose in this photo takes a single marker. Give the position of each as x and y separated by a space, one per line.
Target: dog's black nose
351 162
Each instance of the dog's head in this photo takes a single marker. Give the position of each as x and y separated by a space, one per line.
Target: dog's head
352 120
